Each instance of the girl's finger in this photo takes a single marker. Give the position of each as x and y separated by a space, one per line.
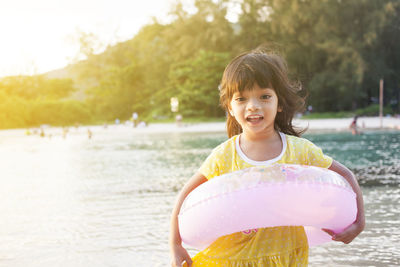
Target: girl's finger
345 238
189 262
329 232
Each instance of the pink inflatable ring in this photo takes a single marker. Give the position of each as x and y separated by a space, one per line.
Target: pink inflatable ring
276 195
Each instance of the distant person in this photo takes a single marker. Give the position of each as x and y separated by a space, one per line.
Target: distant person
142 124
90 134
178 119
353 126
65 132
42 134
260 102
135 119
309 109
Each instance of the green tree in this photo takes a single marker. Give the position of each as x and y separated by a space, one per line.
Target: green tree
207 29
118 91
32 87
253 27
330 45
195 83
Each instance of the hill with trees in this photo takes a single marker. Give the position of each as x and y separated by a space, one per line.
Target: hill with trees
338 50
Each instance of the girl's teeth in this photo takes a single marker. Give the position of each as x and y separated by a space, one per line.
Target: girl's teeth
254 118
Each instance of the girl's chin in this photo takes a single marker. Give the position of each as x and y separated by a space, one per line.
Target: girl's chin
253 124
254 128
257 128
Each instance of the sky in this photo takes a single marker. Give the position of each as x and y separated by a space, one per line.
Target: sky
40 35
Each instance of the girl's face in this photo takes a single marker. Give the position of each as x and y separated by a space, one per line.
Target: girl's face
255 110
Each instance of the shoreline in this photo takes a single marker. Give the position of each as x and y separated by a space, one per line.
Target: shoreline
311 126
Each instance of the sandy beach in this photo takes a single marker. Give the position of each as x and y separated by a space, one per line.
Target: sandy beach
313 125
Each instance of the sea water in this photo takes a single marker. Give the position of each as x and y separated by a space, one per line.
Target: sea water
106 201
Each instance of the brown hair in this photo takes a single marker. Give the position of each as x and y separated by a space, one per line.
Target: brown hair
266 70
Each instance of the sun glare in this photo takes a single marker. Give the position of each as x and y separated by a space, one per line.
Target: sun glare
38 36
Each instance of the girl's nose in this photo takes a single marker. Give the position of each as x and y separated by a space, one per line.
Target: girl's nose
253 104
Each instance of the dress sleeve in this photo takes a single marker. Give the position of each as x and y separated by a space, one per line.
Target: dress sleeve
210 167
316 157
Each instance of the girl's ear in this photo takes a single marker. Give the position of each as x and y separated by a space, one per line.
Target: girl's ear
280 109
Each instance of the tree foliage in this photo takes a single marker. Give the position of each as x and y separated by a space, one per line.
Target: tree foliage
35 100
195 82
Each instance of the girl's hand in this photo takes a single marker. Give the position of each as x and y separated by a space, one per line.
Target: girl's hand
348 234
358 226
179 255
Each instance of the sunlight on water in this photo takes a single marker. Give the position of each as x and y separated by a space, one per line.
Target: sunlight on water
106 201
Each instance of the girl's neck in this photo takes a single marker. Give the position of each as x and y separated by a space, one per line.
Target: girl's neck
266 136
261 147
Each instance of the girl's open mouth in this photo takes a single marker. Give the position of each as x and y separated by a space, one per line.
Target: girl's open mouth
254 118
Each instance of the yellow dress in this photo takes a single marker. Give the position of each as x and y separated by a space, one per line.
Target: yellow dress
273 246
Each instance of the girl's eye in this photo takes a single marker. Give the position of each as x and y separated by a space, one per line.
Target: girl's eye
265 97
240 99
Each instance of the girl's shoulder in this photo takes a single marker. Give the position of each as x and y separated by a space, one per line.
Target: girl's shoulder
303 151
226 146
295 140
218 162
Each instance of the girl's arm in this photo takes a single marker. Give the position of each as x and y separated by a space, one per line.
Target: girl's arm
358 226
178 253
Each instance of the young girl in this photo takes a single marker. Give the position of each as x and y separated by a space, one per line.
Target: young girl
260 103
